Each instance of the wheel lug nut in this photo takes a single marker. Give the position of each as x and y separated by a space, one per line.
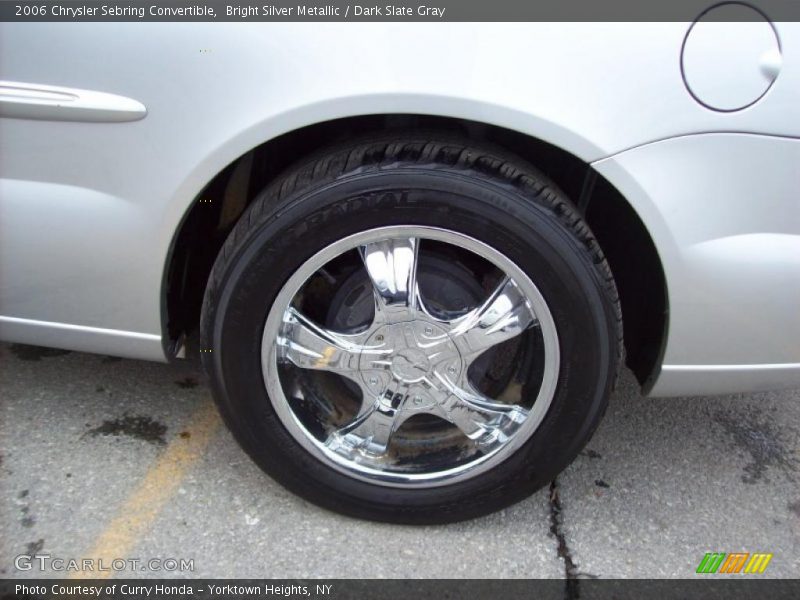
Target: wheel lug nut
373 381
452 369
417 400
428 330
379 338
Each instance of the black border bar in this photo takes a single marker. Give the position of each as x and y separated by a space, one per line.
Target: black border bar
701 587
389 11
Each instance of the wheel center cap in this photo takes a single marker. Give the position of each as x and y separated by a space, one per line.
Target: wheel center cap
410 365
415 354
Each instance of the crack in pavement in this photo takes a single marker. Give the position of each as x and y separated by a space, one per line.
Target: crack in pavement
571 584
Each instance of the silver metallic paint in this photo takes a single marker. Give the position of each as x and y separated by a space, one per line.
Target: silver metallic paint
88 210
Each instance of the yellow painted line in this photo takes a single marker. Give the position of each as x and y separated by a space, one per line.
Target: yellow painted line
159 484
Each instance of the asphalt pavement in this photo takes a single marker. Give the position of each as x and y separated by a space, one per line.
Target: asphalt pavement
120 459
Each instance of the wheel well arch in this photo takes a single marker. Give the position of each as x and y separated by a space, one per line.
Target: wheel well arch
639 275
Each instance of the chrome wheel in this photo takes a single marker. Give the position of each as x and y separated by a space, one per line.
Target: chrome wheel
411 328
395 392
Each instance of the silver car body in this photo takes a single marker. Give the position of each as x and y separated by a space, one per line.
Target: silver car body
110 132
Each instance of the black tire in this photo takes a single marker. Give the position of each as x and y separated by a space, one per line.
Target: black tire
424 180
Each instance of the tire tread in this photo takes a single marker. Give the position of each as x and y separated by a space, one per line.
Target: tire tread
382 151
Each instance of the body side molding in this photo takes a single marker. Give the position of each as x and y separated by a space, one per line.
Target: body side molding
52 103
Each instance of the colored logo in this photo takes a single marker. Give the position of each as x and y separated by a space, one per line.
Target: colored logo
735 562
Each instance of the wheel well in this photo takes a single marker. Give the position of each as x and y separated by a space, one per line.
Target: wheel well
638 274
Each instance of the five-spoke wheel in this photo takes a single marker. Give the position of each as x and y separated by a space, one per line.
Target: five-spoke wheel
412 357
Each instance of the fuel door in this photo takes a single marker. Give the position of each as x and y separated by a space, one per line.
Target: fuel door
731 56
